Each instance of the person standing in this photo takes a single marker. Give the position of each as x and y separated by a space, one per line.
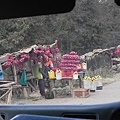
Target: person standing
40 75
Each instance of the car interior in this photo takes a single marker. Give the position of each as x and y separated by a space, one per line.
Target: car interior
105 111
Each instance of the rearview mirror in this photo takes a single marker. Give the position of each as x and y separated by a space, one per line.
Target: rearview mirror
16 9
117 2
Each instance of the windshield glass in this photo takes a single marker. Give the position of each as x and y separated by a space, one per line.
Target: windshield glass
70 58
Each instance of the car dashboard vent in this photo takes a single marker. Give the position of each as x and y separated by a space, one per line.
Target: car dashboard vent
81 116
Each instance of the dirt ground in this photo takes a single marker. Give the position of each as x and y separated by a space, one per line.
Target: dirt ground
108 94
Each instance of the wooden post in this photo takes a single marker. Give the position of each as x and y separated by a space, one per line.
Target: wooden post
15 74
32 87
25 92
9 98
71 85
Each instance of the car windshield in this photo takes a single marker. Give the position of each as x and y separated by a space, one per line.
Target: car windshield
68 58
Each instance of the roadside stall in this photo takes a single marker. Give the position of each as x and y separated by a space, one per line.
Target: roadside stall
16 73
69 74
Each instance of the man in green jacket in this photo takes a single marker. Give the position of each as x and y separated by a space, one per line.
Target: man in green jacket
39 73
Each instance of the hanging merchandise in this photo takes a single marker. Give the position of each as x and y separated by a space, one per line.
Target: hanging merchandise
23 78
9 61
56 42
16 61
25 56
7 64
21 60
10 58
117 52
58 74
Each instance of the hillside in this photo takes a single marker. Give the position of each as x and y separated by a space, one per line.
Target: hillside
88 26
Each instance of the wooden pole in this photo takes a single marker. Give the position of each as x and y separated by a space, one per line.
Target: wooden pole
7 84
32 87
15 74
25 92
4 94
9 99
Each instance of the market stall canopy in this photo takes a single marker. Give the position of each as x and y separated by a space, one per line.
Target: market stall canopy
95 52
27 50
3 58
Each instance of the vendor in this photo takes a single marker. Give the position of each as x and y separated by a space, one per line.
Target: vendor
48 62
79 67
40 72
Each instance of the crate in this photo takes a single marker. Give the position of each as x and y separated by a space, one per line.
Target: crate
81 93
67 73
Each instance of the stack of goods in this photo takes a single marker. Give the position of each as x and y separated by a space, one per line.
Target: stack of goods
93 83
69 63
117 51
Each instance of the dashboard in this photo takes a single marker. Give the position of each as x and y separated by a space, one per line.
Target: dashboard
107 111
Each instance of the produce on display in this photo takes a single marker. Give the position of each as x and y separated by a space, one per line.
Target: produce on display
58 74
36 52
68 64
93 83
75 75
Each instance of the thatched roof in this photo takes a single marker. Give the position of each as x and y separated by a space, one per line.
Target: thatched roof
27 50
